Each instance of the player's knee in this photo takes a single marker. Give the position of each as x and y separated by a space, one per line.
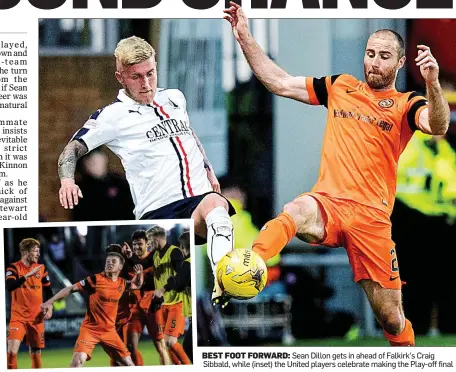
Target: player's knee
392 321
170 341
214 200
299 208
77 361
35 350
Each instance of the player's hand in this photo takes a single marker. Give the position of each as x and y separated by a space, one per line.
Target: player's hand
46 309
158 293
239 21
213 180
138 269
428 65
32 272
69 193
127 251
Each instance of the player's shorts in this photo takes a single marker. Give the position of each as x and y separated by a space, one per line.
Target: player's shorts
181 209
174 320
153 322
122 331
109 340
365 232
33 330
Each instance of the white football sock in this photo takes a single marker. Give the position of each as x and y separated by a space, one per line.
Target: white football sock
220 235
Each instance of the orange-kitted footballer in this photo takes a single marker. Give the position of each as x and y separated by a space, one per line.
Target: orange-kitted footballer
28 282
369 123
104 291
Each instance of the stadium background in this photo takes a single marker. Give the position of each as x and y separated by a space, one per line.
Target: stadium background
266 145
70 254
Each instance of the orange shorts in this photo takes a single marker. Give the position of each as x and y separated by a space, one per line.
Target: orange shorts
122 331
365 232
110 341
33 330
174 320
153 322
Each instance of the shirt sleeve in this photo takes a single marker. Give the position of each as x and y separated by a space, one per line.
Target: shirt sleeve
319 88
13 282
97 130
45 281
415 104
177 258
88 284
181 280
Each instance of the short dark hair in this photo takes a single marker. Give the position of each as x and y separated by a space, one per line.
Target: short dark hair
138 235
113 248
116 254
184 239
397 37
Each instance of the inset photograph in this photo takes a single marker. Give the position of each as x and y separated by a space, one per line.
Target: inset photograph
98 296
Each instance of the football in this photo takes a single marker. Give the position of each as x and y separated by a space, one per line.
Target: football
242 274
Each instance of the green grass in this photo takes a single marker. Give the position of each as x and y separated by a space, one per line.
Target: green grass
61 358
377 341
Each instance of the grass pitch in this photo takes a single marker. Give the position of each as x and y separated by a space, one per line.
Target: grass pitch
61 358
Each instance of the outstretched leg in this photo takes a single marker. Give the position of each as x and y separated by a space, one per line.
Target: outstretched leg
387 307
302 218
213 221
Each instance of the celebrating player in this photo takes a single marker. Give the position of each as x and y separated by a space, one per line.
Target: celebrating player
168 171
368 126
104 291
139 317
28 282
168 260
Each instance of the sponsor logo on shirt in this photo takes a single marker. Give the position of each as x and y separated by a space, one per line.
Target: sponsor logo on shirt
386 103
168 128
382 124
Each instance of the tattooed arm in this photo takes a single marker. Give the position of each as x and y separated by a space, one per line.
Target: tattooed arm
69 192
210 171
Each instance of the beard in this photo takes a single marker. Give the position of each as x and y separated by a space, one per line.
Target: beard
380 80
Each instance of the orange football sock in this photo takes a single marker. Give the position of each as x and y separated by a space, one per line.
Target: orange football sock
405 338
180 353
173 357
137 358
274 236
12 361
36 360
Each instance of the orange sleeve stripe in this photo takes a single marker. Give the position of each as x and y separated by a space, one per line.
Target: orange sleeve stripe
11 277
310 89
48 284
12 268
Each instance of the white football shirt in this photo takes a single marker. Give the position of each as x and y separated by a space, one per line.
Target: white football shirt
156 146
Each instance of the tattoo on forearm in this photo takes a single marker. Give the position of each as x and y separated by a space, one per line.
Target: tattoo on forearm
69 157
206 161
439 111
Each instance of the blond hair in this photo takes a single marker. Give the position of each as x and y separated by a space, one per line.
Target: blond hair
26 245
156 231
133 50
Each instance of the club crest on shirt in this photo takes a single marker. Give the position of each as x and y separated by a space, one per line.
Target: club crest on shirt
119 288
37 275
386 103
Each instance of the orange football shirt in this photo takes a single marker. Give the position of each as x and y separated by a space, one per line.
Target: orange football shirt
26 300
104 295
365 134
